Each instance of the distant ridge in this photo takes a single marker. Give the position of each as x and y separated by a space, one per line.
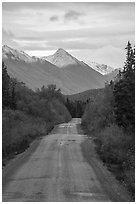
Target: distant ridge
85 95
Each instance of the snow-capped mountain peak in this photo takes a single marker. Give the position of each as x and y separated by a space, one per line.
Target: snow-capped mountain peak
17 55
61 50
61 58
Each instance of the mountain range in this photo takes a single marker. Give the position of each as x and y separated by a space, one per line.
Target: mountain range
64 70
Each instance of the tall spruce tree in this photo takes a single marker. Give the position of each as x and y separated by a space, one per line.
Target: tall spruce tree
124 92
5 86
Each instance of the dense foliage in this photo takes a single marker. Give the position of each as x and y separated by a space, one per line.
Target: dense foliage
28 114
110 119
8 89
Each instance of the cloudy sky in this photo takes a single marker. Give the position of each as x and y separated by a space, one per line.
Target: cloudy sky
89 31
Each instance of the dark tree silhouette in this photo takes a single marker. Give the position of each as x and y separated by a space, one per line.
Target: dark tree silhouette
124 92
5 86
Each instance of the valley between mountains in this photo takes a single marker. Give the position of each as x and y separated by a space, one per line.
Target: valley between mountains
64 70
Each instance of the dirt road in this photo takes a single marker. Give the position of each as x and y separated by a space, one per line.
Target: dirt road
53 169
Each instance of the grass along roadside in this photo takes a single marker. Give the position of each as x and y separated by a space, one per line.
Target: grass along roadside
112 187
95 151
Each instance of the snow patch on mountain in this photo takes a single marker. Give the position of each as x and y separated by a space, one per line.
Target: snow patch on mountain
8 52
101 68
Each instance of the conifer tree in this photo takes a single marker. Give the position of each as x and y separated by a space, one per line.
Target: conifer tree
124 92
5 86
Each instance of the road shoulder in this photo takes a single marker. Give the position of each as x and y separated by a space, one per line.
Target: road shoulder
18 160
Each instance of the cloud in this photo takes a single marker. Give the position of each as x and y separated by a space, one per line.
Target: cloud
11 6
76 44
72 15
36 47
54 18
91 33
8 38
7 34
71 25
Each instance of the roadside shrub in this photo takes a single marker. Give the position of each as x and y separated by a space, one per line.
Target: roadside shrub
114 144
60 112
99 113
116 149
